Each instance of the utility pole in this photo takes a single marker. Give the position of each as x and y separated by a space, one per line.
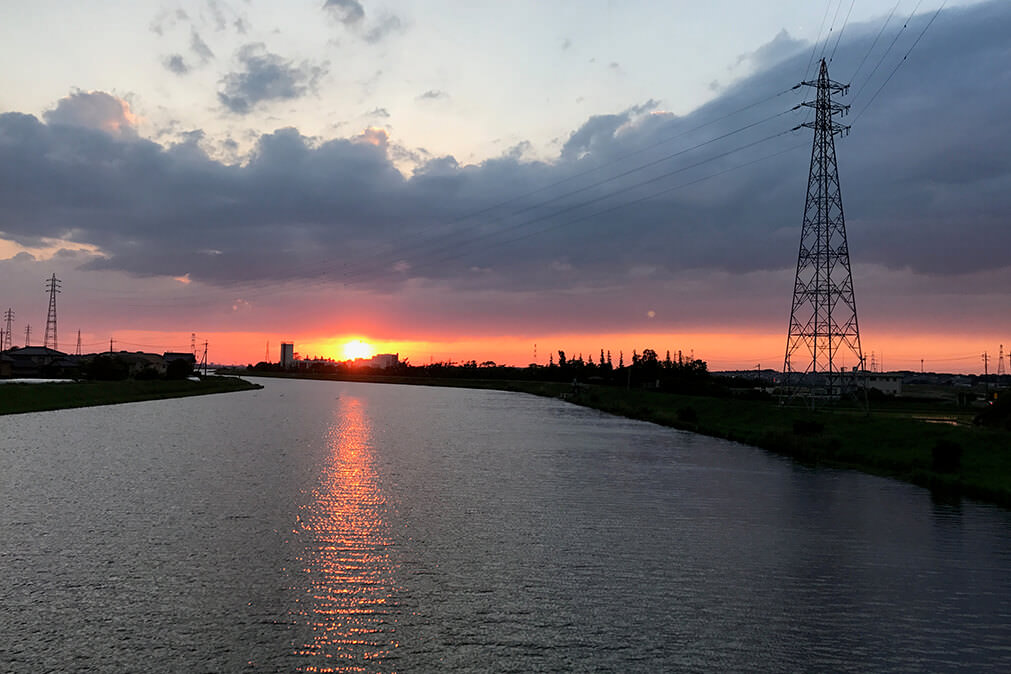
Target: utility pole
193 344
52 287
204 363
823 316
110 345
8 318
986 380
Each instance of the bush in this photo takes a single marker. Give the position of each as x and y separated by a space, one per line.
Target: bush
107 368
807 427
179 369
946 457
688 415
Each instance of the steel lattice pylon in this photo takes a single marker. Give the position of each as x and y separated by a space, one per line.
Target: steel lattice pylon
52 287
824 337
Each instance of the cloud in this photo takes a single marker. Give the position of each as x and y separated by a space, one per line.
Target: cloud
432 95
708 203
351 14
348 12
379 112
94 110
217 15
175 63
387 25
266 77
779 48
166 20
200 48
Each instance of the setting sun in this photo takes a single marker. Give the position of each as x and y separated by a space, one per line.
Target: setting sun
358 349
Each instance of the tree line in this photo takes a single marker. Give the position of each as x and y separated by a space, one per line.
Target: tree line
675 372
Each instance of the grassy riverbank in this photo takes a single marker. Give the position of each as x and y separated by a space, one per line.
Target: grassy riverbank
900 439
18 398
893 443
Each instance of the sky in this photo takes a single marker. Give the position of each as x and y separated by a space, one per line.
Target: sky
457 181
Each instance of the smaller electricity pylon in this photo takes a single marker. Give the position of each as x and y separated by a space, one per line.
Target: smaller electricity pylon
52 287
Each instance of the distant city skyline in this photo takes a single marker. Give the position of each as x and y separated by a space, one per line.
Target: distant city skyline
460 183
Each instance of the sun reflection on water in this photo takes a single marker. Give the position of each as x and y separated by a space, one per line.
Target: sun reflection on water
350 598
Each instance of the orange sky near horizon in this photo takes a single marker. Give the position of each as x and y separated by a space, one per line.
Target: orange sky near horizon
722 351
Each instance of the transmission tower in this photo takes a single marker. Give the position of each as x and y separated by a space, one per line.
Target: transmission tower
1000 362
78 342
52 287
823 318
8 318
28 335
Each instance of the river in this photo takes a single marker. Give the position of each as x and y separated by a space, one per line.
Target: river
325 526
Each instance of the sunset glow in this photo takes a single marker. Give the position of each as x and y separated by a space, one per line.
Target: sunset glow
356 348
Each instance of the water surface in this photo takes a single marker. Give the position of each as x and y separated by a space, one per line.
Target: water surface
323 526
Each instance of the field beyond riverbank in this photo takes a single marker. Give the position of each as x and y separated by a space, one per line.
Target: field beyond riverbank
16 398
930 444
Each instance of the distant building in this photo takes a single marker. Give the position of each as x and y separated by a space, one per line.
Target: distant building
143 364
890 384
383 361
185 355
287 354
173 356
38 361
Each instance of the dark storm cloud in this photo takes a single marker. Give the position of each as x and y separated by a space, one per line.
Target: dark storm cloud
266 77
635 197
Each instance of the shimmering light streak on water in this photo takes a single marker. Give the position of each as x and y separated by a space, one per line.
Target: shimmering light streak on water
348 594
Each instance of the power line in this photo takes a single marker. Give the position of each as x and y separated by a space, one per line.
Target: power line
875 42
370 265
422 240
885 54
638 200
899 64
839 36
814 49
359 272
831 27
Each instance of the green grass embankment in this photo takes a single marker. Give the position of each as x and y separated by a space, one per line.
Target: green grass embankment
19 398
892 443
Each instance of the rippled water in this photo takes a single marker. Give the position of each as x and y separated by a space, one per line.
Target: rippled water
321 526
